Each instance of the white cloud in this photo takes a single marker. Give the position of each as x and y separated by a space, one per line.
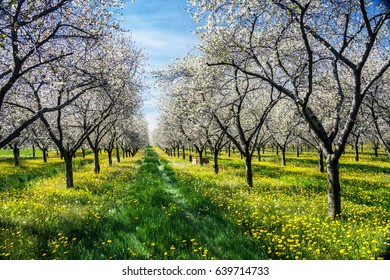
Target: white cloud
163 46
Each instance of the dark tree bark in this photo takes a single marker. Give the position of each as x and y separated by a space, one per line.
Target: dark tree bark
109 157
118 157
334 188
321 160
283 150
44 154
16 152
375 151
258 153
248 170
96 161
68 157
215 158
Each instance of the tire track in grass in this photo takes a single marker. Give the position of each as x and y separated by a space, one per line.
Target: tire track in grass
198 217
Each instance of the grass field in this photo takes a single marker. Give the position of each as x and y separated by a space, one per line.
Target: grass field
157 207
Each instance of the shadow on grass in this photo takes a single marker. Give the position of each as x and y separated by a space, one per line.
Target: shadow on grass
360 167
316 182
26 174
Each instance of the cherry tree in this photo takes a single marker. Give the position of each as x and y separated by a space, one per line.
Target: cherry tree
37 34
124 60
115 73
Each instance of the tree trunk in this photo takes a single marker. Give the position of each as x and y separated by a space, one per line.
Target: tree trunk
118 157
44 154
83 153
258 154
69 170
109 157
183 152
33 150
96 161
321 166
277 150
356 152
375 151
216 166
334 188
283 156
200 157
16 153
229 151
248 169
298 151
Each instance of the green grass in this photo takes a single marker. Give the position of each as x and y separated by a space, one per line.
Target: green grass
159 207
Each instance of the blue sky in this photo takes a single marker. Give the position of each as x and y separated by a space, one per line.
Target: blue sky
164 29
